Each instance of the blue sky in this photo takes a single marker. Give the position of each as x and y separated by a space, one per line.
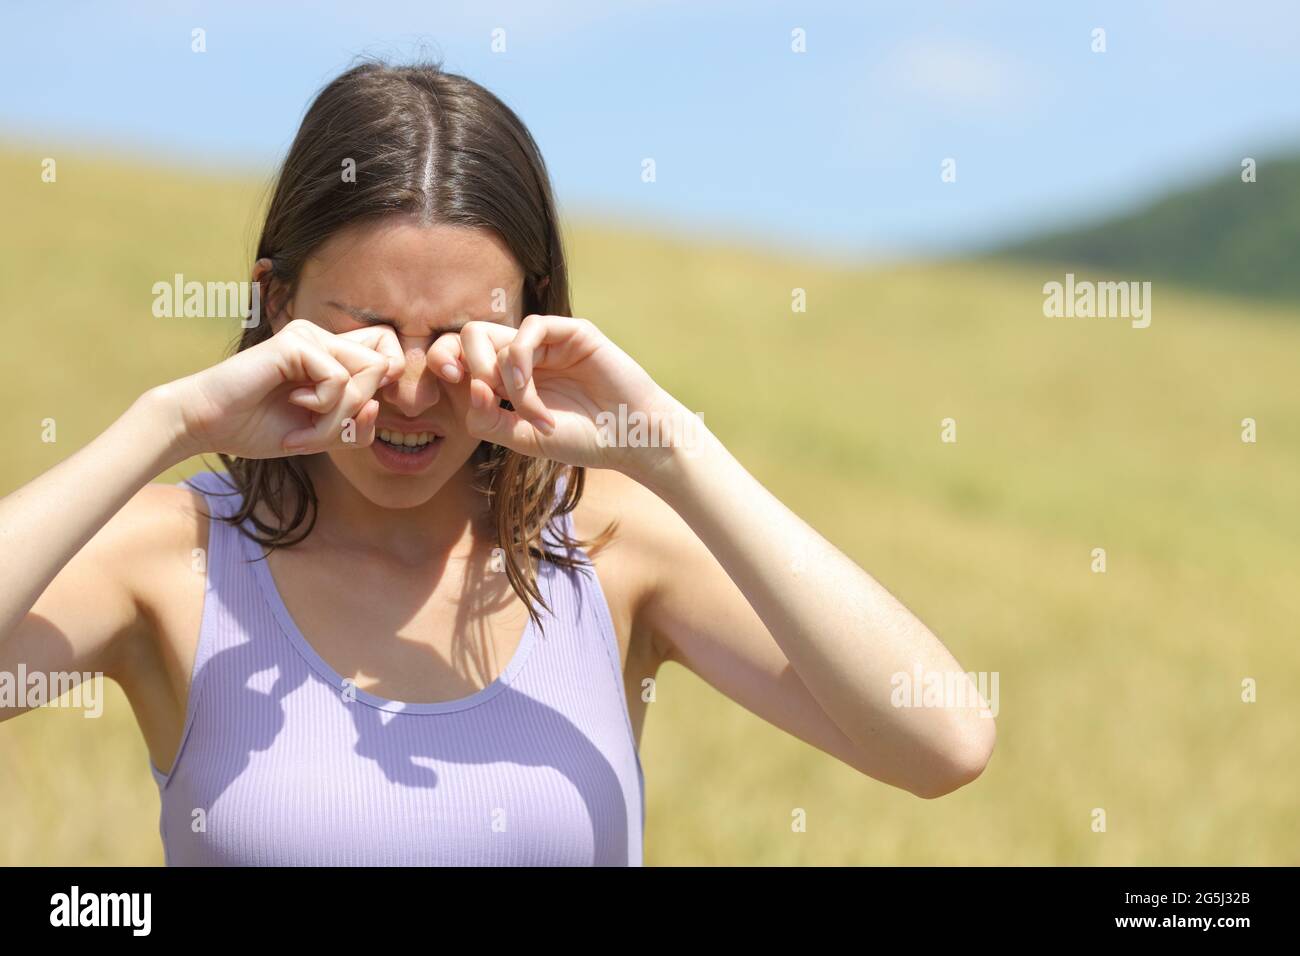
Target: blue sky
838 149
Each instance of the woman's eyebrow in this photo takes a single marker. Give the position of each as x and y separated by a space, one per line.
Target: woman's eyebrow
374 318
363 315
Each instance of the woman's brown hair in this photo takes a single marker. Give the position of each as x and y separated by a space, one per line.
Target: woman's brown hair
421 142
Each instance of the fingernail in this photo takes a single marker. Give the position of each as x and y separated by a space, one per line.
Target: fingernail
517 374
545 427
451 372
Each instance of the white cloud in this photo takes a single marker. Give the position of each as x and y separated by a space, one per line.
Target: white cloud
952 73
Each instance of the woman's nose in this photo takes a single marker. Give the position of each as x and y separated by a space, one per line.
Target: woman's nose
417 388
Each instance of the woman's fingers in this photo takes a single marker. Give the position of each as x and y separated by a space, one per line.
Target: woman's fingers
500 426
482 343
307 361
306 397
346 371
336 430
517 359
479 342
496 361
340 424
522 392
506 358
382 339
499 361
553 342
445 358
531 348
371 354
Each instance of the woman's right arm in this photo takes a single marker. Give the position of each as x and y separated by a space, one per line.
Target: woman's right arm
69 543
48 522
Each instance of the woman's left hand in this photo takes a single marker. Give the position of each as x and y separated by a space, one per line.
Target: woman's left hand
576 395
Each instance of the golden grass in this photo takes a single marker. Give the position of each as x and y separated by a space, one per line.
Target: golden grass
1119 691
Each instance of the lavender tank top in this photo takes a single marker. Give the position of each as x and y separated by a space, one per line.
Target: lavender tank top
281 764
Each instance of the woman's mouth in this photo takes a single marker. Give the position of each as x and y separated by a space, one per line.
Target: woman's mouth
405 441
405 452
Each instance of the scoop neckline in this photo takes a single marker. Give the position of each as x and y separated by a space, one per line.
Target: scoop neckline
523 650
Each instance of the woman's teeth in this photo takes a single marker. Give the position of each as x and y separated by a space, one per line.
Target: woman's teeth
405 441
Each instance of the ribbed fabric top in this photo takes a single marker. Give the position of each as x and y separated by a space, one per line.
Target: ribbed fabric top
283 763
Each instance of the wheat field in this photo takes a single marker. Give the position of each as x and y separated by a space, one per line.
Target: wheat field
1123 689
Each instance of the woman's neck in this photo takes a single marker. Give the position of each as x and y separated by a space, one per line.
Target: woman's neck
452 522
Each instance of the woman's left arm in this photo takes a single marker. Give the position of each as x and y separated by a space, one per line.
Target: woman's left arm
577 398
851 644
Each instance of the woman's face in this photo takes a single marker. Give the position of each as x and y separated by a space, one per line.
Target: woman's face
423 281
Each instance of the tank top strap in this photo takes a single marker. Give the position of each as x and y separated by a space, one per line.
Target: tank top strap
580 597
223 563
226 552
218 488
580 601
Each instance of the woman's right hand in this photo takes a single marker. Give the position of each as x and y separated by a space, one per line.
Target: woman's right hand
242 407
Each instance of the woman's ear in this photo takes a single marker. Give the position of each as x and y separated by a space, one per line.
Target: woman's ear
274 309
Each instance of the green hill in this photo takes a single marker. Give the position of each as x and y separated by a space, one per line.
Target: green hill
1119 691
1225 235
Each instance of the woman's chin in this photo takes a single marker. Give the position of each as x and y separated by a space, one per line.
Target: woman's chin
391 488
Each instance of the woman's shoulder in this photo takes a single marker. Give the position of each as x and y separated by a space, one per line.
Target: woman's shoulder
633 565
159 520
216 489
647 533
610 496
144 554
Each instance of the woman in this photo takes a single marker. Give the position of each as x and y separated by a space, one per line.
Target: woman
412 621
